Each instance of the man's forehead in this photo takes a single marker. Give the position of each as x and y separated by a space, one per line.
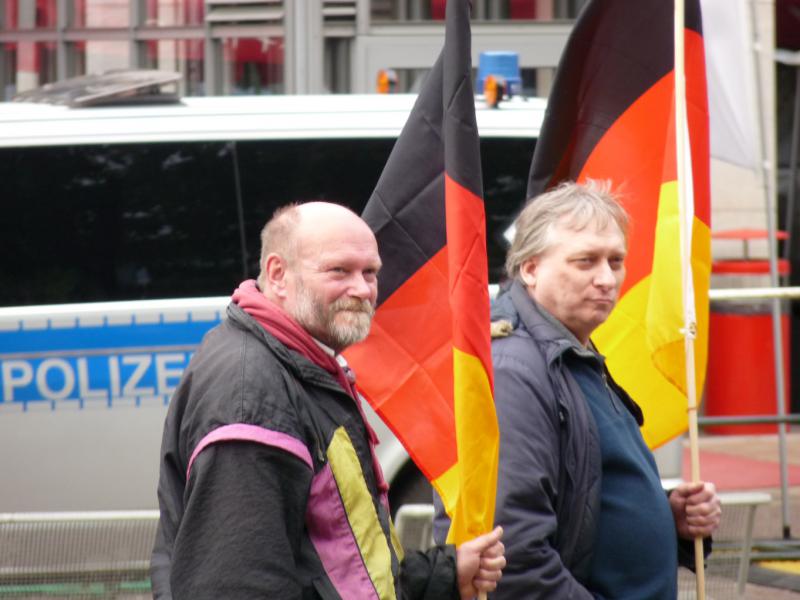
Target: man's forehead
331 226
591 236
347 252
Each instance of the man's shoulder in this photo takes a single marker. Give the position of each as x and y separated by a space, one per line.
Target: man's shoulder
516 340
519 358
237 334
233 363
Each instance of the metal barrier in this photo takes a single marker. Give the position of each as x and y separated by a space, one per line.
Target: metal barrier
775 294
728 565
414 526
748 420
76 554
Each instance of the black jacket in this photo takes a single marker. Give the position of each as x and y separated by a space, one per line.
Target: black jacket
281 498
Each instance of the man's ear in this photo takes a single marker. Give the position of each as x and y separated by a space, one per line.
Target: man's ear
276 272
527 272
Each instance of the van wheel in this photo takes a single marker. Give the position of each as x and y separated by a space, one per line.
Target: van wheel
409 487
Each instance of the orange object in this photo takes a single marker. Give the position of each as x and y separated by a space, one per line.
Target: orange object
747 234
747 267
493 90
741 359
741 369
387 81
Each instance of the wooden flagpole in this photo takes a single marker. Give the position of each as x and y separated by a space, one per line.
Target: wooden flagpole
686 196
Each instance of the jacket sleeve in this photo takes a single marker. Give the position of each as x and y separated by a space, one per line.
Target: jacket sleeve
527 485
242 526
429 575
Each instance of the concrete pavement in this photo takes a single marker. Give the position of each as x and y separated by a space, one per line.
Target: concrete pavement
750 463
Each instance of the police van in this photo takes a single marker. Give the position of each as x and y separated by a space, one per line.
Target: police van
126 227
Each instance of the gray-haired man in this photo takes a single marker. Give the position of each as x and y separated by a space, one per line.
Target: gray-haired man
579 495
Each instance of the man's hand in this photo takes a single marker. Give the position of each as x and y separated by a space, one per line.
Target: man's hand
479 563
696 508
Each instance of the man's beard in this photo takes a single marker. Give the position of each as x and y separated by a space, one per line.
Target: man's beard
339 325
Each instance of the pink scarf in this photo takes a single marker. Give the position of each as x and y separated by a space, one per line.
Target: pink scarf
272 318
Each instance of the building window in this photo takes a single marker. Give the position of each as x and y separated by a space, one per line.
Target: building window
169 13
407 10
539 10
337 65
491 10
253 66
182 56
27 65
98 56
101 13
28 14
8 67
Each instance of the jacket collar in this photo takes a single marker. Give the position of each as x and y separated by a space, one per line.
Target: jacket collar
556 337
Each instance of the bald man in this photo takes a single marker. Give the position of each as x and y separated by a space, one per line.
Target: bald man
269 485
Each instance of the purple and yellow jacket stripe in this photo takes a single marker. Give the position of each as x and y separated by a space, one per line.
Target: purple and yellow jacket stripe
341 517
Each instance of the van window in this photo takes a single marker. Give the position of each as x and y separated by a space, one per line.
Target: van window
161 220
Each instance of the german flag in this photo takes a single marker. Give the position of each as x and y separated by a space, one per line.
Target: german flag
611 116
426 366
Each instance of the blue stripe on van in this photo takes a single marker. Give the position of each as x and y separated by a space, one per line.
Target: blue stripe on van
98 364
103 337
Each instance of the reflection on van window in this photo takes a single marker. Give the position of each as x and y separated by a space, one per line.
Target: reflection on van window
159 220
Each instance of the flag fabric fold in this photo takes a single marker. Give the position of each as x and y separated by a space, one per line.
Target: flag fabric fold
611 116
426 366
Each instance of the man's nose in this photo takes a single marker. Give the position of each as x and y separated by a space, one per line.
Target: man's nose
604 277
360 287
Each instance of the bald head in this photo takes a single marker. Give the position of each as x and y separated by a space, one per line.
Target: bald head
324 221
319 262
293 226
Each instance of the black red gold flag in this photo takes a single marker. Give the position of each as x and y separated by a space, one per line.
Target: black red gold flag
426 366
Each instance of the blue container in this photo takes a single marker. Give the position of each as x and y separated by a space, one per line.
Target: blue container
500 64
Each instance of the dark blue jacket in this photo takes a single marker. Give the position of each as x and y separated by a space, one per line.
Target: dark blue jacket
549 473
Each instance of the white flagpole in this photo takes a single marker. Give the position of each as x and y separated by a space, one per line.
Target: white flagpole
686 209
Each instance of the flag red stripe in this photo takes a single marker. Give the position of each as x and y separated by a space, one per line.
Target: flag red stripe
632 152
469 295
409 377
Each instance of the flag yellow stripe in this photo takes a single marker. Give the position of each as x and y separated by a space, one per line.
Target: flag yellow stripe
623 340
643 338
478 446
446 485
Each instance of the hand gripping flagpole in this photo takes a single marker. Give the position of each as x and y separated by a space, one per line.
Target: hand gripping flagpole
686 208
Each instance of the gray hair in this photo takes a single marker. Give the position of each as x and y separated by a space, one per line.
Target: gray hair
278 236
576 205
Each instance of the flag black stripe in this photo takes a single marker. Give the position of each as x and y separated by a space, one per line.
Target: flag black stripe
617 51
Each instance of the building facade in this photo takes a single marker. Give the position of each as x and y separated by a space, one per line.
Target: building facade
268 46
